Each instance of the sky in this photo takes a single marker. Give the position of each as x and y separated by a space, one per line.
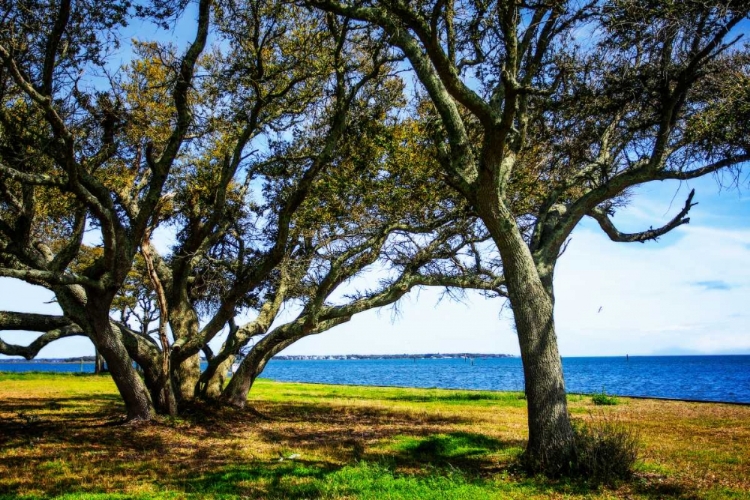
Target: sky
687 293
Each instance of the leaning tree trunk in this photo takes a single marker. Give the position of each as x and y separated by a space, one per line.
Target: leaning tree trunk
235 394
550 433
109 343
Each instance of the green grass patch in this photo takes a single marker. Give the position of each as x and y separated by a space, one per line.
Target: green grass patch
440 447
604 399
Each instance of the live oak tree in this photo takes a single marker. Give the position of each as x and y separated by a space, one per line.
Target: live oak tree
294 75
183 157
59 138
543 113
159 147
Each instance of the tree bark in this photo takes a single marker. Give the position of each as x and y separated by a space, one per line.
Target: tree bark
186 376
215 383
550 433
184 323
108 341
99 364
146 354
235 394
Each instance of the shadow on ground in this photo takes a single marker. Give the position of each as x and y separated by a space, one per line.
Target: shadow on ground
67 445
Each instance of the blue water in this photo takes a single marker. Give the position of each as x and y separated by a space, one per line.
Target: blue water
47 367
706 378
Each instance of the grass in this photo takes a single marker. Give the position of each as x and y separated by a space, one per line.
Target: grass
60 437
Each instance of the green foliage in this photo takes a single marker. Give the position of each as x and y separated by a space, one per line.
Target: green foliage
603 399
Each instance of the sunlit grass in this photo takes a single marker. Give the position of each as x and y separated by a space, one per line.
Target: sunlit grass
61 436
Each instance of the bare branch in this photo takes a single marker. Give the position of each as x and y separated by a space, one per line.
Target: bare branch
614 234
30 351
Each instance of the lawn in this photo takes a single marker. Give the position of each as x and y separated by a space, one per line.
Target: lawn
61 437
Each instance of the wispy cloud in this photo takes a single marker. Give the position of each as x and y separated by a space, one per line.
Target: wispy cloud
713 285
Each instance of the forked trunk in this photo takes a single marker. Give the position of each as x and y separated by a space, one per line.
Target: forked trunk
550 433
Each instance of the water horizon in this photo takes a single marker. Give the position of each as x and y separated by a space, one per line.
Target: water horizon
710 378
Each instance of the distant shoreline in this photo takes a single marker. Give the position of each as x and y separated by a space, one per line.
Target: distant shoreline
463 355
300 357
342 357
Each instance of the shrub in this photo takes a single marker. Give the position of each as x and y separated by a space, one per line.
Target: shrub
603 399
605 450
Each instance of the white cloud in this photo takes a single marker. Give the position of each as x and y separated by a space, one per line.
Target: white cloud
654 297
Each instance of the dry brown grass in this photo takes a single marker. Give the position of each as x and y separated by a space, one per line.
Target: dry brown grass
63 435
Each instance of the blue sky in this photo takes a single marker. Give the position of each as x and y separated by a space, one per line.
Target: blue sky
688 293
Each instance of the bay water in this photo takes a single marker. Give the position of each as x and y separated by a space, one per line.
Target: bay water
704 378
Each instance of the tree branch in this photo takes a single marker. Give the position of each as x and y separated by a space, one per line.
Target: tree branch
614 234
10 320
30 351
51 278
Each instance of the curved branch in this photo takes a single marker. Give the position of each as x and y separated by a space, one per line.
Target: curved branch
652 234
30 351
685 175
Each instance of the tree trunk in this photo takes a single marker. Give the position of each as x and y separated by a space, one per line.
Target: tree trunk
184 323
99 364
252 366
550 433
146 354
162 395
186 376
215 383
132 388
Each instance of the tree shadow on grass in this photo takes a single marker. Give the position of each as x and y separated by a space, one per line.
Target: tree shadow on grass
289 479
462 451
210 450
69 445
343 431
